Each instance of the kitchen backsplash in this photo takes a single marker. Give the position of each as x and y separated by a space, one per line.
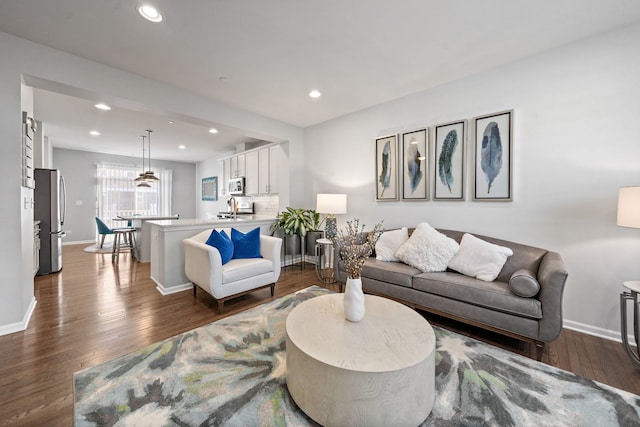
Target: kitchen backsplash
264 205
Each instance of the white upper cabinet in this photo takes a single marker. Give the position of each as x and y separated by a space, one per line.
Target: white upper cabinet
264 169
251 184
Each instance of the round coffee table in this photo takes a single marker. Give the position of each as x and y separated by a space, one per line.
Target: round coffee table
376 372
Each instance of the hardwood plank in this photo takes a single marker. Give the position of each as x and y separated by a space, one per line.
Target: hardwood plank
92 312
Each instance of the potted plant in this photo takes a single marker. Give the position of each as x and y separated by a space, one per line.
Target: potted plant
293 224
314 231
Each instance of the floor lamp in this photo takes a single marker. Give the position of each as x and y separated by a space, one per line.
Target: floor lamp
331 204
629 216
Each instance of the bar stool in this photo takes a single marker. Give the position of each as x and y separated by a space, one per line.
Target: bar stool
129 243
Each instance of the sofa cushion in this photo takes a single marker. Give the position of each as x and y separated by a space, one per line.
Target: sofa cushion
243 268
479 259
389 242
524 256
246 245
222 242
493 295
523 284
427 249
396 273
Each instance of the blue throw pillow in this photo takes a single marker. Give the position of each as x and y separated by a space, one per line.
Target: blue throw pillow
222 243
246 245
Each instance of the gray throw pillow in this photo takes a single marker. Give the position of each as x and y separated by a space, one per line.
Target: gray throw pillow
523 284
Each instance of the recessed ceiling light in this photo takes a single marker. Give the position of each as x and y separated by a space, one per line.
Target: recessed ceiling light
182 147
102 106
315 94
171 122
213 130
150 13
95 133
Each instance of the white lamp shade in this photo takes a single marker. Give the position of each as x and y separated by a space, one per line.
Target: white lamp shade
629 207
331 203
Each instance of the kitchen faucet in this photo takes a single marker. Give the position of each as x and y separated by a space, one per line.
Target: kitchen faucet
233 205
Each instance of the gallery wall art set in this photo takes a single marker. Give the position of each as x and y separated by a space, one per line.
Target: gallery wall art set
405 162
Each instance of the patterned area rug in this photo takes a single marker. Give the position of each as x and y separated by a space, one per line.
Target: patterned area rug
232 372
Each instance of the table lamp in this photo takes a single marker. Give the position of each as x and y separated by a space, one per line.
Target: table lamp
629 216
331 204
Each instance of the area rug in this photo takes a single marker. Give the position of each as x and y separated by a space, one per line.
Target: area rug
232 372
107 248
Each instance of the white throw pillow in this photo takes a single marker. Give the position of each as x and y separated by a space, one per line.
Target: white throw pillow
389 242
479 259
427 249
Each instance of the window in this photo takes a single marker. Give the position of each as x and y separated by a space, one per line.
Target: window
118 193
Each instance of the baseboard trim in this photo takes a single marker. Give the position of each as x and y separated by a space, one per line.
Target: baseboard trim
80 242
173 289
595 331
20 326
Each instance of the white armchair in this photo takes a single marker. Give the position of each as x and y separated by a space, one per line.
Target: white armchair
203 266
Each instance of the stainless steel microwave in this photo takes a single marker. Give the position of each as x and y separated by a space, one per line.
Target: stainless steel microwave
236 186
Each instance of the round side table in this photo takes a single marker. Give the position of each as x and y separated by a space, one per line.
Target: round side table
324 261
633 288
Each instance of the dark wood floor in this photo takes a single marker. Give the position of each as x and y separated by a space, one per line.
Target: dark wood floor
92 312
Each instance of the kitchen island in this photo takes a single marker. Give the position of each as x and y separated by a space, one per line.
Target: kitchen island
167 252
143 232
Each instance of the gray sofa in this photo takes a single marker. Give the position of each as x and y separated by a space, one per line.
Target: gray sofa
490 305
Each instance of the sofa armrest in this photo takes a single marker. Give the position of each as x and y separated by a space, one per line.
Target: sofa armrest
203 265
270 248
552 275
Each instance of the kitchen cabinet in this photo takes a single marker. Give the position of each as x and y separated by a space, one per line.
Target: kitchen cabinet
277 167
237 166
252 182
263 170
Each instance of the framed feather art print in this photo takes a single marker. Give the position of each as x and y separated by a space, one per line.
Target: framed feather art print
448 161
387 168
493 154
415 148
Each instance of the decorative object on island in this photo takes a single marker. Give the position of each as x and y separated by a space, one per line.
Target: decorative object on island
415 182
331 204
355 247
210 188
148 175
629 216
493 154
448 161
387 168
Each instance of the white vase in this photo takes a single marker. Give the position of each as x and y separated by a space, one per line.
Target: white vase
354 300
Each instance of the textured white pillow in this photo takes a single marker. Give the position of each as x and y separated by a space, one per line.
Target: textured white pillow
479 259
427 249
389 242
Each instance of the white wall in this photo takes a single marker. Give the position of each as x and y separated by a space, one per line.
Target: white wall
79 169
21 57
207 209
576 140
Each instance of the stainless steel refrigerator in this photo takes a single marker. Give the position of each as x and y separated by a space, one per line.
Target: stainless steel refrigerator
50 201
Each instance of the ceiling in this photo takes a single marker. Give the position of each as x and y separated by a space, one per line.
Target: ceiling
265 56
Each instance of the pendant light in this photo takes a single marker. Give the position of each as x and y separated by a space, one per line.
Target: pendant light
149 175
141 179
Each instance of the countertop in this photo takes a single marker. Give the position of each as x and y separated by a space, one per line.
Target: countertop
213 222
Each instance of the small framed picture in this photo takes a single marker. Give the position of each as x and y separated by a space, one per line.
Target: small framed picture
448 161
492 159
387 168
415 148
210 188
